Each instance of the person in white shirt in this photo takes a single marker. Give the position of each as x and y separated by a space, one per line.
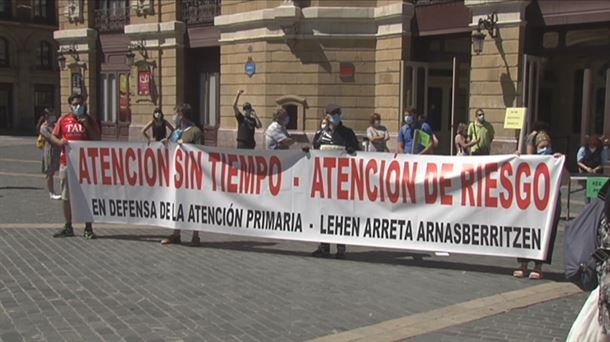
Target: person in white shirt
276 135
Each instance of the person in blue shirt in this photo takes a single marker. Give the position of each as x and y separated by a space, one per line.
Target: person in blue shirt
407 133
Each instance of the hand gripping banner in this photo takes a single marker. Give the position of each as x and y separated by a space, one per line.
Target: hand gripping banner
498 205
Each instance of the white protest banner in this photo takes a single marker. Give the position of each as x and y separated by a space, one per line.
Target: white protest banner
489 205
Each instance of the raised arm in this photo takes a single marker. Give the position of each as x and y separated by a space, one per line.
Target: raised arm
235 109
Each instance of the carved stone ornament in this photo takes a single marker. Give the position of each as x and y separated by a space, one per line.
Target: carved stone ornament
142 7
74 11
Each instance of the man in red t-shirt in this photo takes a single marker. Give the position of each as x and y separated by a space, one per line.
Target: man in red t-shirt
77 125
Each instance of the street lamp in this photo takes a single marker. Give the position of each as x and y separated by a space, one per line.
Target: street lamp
61 62
138 46
71 50
478 37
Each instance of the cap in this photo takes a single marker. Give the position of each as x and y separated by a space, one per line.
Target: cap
332 108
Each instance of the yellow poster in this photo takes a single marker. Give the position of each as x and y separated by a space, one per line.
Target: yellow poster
124 83
515 117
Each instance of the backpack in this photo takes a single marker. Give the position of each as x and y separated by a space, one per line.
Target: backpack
581 243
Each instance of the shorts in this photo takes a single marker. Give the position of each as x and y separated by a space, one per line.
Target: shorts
63 182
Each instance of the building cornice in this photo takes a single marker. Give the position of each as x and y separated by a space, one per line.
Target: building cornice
83 39
290 22
168 34
510 12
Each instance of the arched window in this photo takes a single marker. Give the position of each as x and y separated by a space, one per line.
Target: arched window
4 52
45 55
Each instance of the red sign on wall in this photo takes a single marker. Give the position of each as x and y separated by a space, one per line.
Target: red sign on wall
144 82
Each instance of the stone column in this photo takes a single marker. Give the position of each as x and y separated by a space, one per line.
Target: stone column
495 75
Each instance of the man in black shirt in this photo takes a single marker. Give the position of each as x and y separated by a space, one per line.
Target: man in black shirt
334 136
246 124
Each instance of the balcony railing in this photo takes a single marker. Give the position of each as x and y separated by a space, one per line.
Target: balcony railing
111 19
200 12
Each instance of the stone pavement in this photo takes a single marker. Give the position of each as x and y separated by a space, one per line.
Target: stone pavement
125 286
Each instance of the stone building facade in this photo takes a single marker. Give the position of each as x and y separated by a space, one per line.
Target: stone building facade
28 70
444 57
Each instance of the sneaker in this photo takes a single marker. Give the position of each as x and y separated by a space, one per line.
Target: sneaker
172 239
89 234
54 196
320 252
66 232
195 241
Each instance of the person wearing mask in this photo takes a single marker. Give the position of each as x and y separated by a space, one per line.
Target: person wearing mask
159 127
539 140
591 160
377 134
481 132
541 145
186 132
77 125
247 123
335 136
50 152
276 135
462 145
406 135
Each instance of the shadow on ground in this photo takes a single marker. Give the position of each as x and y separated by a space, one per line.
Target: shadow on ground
376 256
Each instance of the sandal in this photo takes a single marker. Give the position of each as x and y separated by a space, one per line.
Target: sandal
535 275
520 273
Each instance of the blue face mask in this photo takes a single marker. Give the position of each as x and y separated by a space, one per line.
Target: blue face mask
79 110
335 119
409 119
286 121
544 151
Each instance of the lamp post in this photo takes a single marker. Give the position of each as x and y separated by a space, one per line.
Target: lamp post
71 50
138 46
478 37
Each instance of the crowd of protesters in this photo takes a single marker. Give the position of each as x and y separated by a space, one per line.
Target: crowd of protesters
415 136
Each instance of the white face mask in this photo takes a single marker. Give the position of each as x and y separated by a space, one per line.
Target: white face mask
592 149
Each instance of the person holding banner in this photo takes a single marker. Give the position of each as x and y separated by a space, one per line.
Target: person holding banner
186 133
159 127
482 132
276 135
542 146
334 136
247 123
77 125
414 136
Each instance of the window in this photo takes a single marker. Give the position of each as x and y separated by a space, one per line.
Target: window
44 55
4 52
43 10
5 9
111 15
209 98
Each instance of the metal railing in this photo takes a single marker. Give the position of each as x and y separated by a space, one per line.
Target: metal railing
200 12
111 19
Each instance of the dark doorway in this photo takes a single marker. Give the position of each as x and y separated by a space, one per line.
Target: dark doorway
6 106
